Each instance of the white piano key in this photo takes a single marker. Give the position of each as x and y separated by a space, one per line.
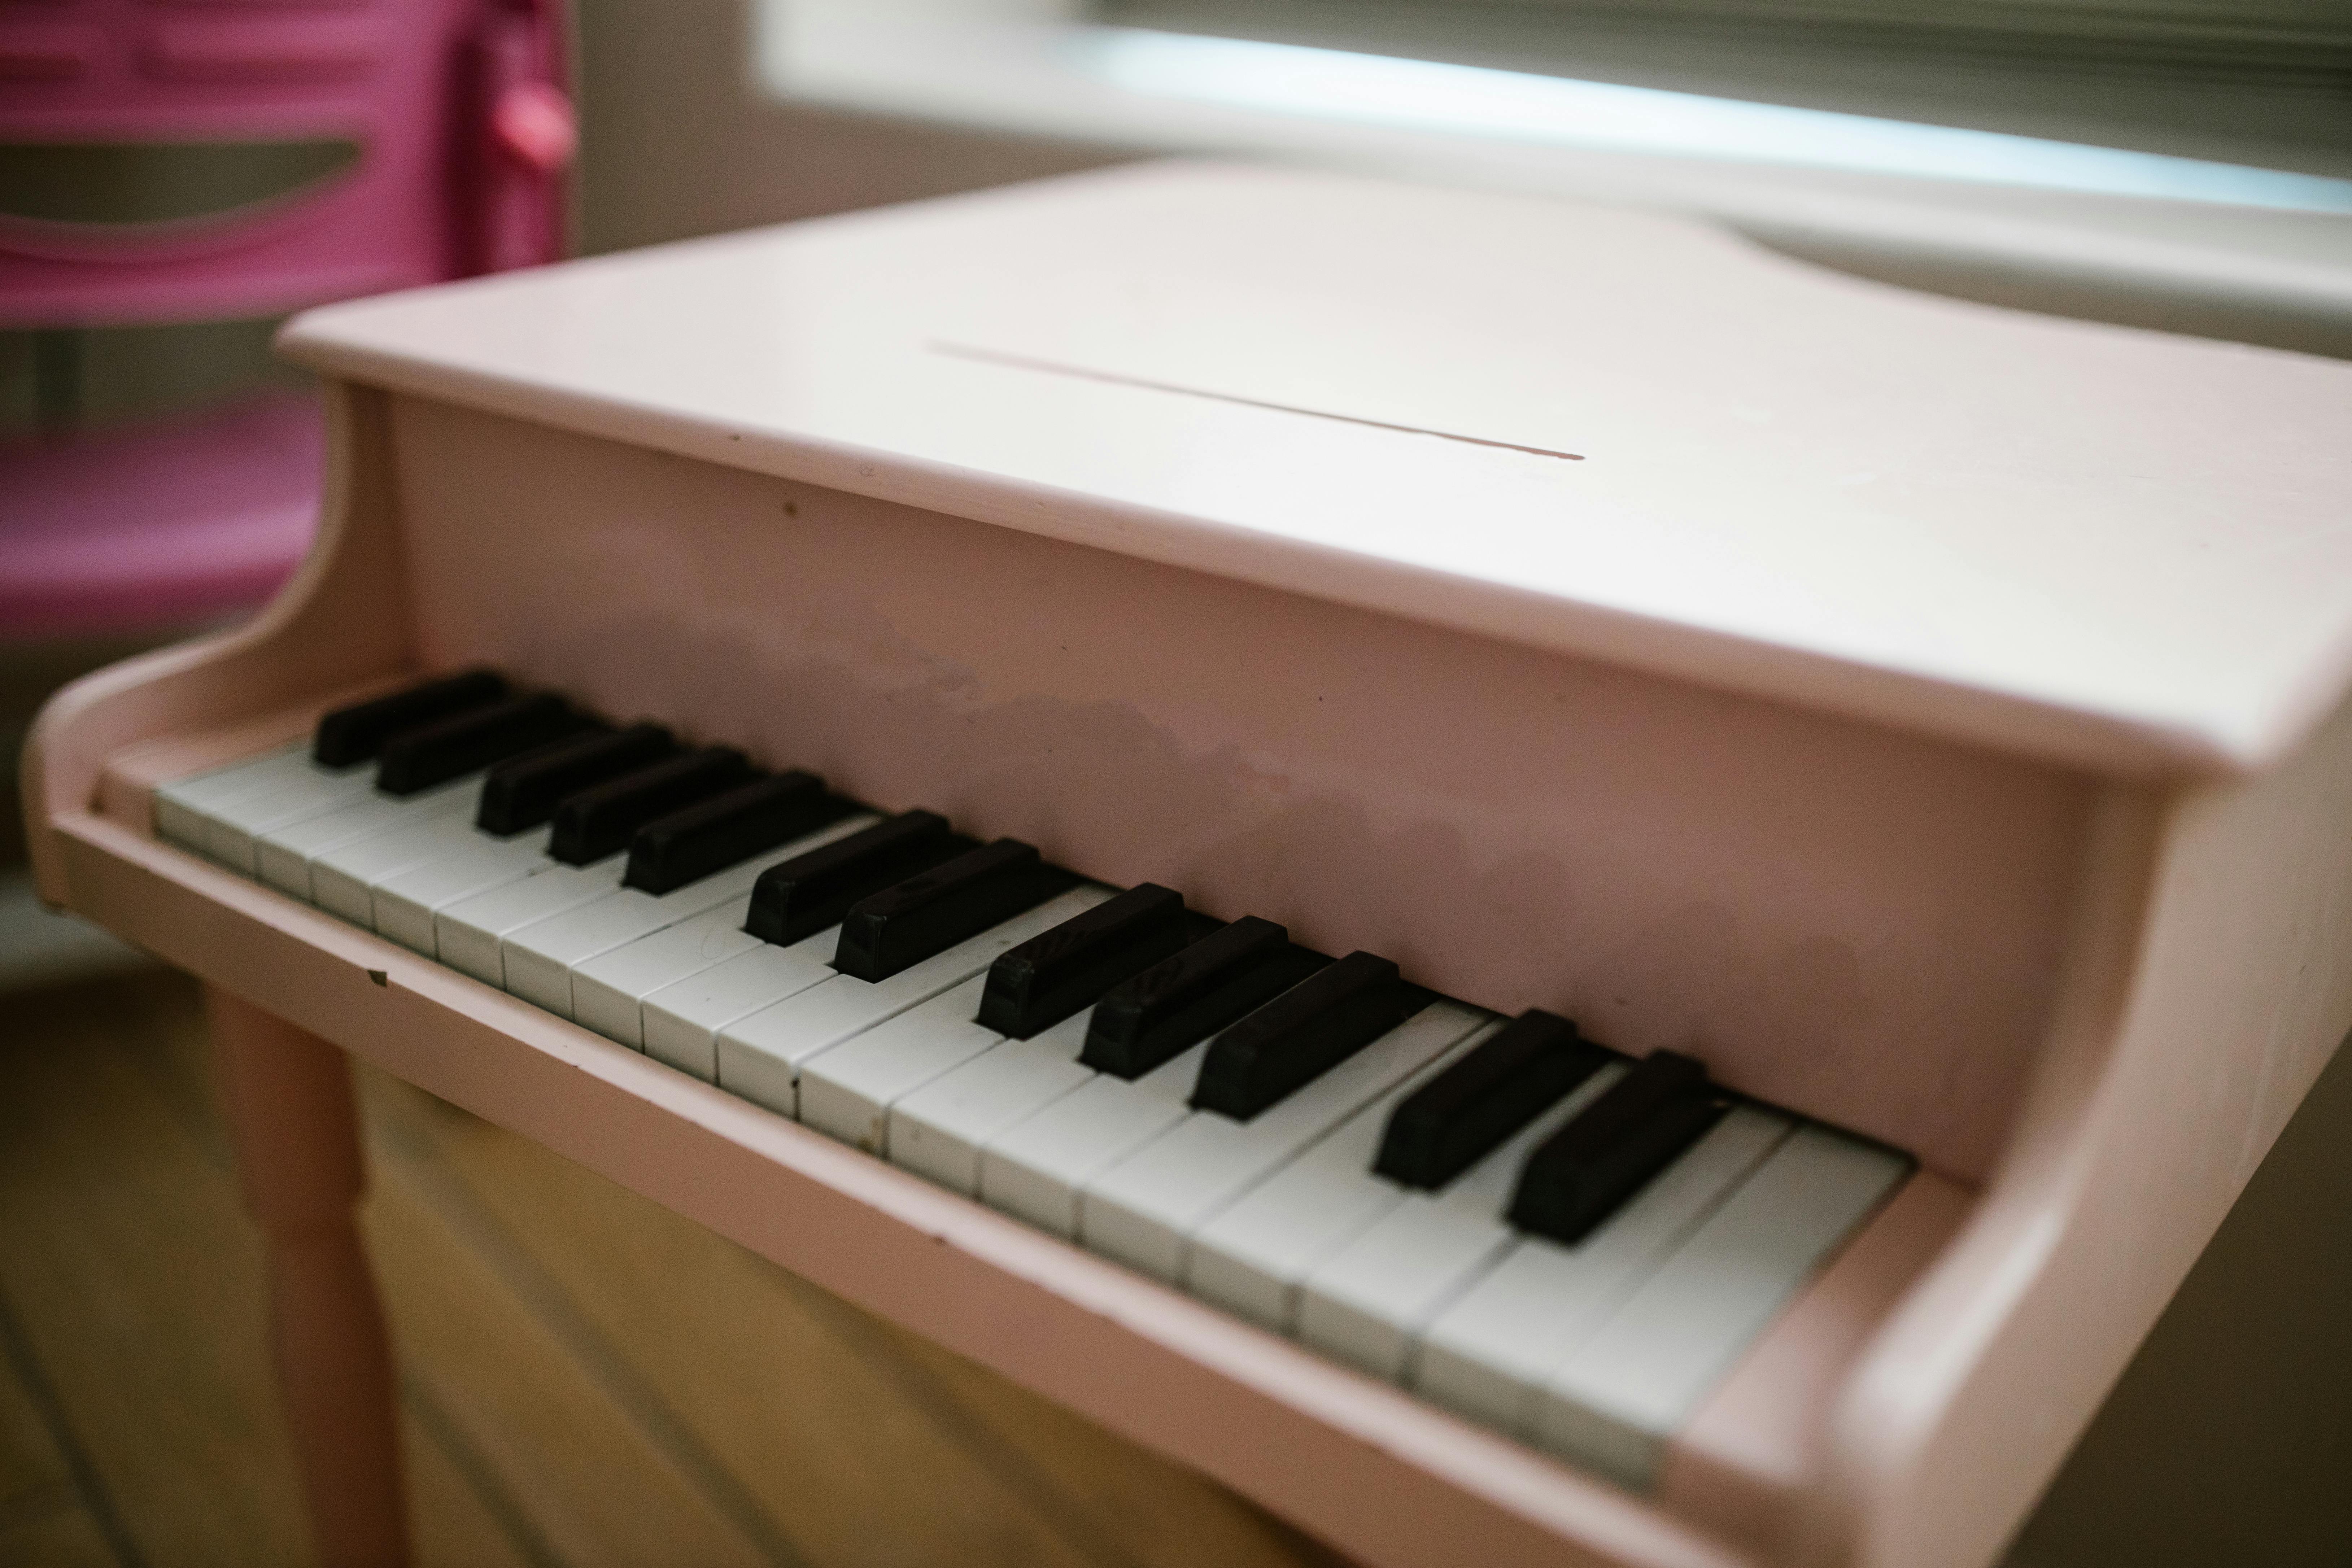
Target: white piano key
344 879
1252 1257
404 905
682 1022
207 787
1144 1210
539 958
1615 1402
761 1057
1369 1300
233 828
178 809
1487 1355
1038 1168
286 853
940 1130
848 1092
470 934
608 991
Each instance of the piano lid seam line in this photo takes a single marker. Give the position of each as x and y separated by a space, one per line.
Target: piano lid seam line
1049 367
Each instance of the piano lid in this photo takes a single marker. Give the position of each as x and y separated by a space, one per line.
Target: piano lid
1615 435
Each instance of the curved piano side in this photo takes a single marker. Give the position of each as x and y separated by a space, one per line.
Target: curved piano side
2207 987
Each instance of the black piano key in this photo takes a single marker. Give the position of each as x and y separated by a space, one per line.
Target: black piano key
1457 1118
1303 1034
726 829
354 734
1050 976
1142 1023
1583 1172
932 911
601 819
525 792
417 758
802 896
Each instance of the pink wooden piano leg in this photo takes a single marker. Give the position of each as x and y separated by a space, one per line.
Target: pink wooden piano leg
288 1097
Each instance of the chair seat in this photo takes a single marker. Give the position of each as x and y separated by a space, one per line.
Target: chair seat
167 523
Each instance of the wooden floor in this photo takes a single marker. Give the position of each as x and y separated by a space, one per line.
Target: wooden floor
586 1378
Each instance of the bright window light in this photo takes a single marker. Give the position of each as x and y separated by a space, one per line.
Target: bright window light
1431 96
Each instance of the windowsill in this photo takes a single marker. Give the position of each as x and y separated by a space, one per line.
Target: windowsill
2265 275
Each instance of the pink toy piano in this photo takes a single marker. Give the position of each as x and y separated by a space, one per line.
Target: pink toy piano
1539 887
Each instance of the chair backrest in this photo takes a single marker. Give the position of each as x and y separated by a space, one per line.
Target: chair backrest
424 140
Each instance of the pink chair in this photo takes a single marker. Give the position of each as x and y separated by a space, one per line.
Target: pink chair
456 130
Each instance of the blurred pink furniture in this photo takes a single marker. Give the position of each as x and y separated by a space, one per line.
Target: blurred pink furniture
163 526
462 129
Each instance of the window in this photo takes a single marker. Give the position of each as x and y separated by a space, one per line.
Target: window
2265 82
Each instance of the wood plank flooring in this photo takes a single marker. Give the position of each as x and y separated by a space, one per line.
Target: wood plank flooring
586 1378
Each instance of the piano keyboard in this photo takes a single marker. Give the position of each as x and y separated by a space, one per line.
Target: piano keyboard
1518 1224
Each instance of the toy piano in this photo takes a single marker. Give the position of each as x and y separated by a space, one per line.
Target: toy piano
1536 886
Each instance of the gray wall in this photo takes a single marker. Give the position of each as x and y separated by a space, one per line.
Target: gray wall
677 140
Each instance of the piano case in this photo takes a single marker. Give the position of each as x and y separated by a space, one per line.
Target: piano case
1931 716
